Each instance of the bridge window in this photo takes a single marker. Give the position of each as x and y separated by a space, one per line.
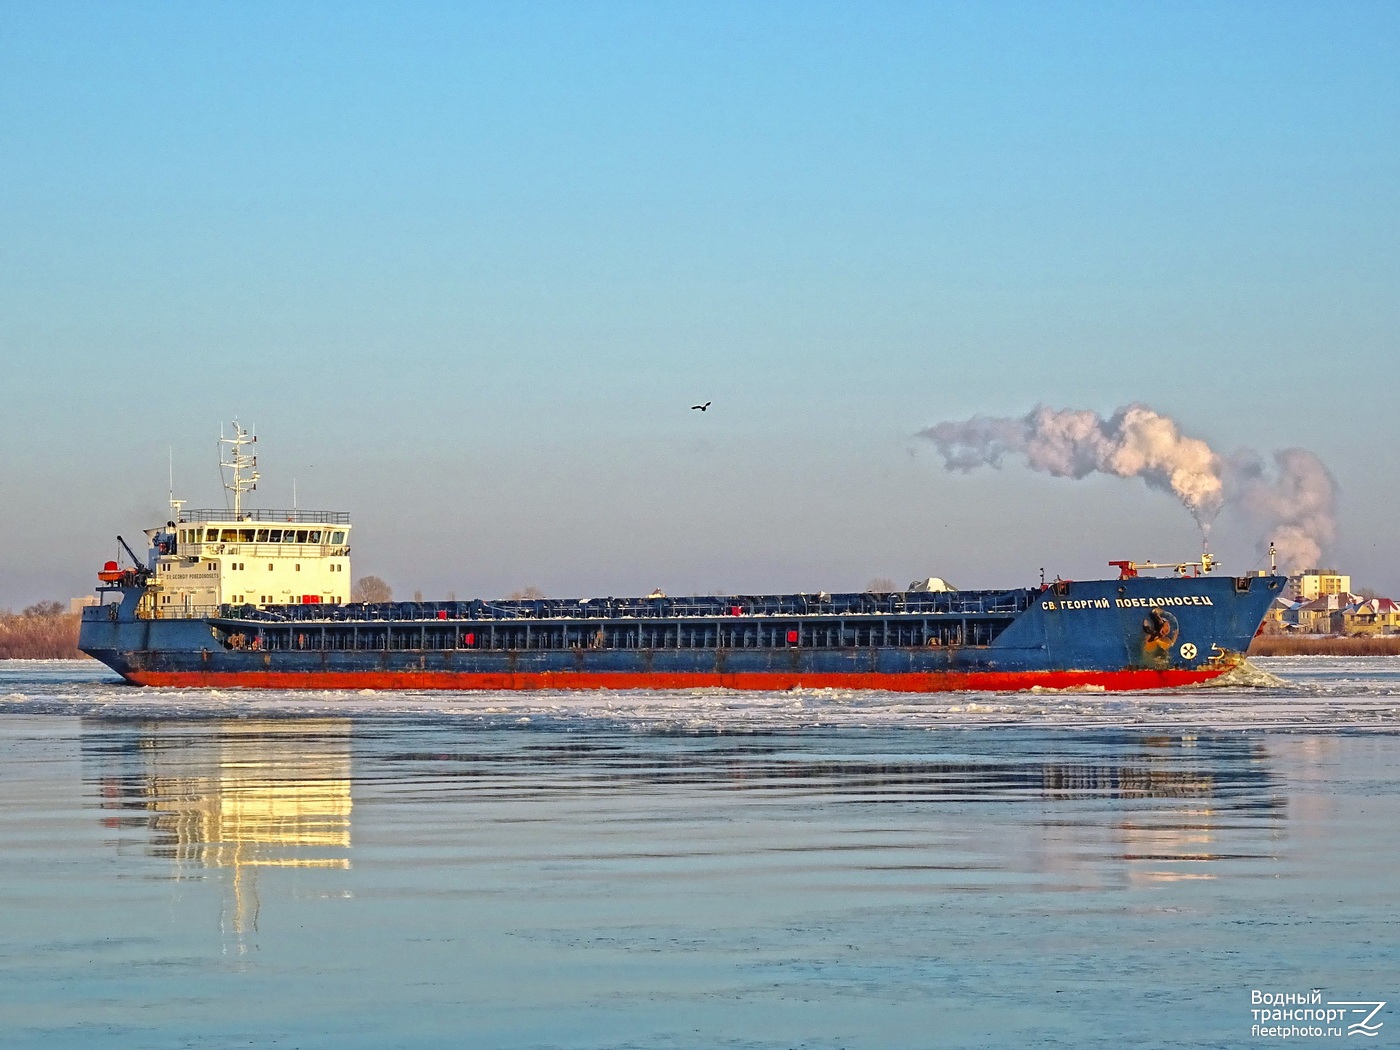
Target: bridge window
261 536
314 536
337 537
274 535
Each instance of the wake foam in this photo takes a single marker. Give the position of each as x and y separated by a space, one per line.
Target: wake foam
1246 676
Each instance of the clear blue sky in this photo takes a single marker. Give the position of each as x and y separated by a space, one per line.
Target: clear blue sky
465 267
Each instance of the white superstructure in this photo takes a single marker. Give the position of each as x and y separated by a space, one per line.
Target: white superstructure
205 558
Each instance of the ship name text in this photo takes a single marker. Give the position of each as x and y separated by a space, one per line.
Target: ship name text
1130 603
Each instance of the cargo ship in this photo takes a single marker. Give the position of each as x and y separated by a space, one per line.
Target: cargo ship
261 598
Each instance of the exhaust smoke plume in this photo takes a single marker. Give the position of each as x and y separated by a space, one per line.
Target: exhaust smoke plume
1294 503
1291 502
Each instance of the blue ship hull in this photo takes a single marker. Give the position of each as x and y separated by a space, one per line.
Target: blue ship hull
1136 633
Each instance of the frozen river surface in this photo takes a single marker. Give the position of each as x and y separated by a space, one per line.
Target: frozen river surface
200 868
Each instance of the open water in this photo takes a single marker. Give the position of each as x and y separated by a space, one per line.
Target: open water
203 868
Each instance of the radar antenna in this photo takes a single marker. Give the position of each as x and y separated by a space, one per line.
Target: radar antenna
238 461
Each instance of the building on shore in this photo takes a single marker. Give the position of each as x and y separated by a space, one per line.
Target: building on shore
1282 617
1323 614
1370 617
1320 601
1316 583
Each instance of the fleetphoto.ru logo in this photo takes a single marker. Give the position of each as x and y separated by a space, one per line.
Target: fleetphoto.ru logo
1291 1015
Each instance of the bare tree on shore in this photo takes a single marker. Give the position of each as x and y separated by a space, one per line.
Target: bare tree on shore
42 631
371 589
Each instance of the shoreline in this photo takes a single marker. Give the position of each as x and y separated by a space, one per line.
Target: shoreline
1323 645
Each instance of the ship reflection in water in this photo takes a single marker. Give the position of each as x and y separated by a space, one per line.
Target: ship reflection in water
530 882
1090 812
1107 810
233 795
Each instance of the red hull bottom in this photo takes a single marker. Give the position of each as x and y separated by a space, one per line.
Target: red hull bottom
978 681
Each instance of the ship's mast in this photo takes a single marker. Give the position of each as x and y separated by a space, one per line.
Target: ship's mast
175 504
238 461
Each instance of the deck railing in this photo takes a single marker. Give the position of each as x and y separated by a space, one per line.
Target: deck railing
913 603
220 515
263 550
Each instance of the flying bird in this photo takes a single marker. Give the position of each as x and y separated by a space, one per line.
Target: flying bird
701 408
